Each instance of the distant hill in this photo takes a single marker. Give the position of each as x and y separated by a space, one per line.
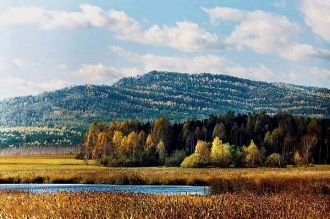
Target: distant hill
177 96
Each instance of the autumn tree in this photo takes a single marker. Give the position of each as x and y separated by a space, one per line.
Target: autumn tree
132 146
117 139
151 156
308 142
200 158
160 131
161 151
251 155
220 153
298 160
275 160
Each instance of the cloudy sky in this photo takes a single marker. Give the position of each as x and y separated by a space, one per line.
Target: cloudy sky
47 45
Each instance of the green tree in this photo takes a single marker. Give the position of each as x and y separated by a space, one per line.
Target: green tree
275 160
219 131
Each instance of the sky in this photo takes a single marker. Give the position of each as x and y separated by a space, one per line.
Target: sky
47 45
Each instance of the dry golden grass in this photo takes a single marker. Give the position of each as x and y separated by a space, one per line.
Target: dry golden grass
293 192
121 205
65 169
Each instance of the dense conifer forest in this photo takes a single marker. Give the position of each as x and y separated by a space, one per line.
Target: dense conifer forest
177 96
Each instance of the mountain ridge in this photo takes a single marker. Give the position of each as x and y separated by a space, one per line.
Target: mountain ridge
178 96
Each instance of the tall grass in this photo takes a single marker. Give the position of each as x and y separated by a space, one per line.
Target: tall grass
270 185
65 169
125 205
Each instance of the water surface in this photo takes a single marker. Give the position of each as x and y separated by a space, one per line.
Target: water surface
146 189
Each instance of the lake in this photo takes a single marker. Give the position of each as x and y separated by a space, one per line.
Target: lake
146 189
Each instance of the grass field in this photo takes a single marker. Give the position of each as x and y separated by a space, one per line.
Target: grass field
66 169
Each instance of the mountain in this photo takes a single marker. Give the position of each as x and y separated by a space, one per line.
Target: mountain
177 96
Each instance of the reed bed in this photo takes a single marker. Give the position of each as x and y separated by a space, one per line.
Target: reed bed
128 205
65 169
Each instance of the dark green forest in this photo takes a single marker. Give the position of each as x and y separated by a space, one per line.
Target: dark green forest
177 96
254 139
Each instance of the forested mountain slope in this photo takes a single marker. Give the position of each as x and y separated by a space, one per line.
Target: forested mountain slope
174 95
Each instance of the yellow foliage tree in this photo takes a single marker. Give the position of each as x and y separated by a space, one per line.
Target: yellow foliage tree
116 140
100 144
200 158
202 149
251 154
220 153
131 145
161 151
149 143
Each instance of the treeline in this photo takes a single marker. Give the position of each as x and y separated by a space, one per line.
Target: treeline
40 150
229 139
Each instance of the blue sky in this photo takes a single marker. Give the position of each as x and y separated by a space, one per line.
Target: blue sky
48 45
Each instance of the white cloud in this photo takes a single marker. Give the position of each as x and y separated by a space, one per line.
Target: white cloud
3 65
196 64
24 87
219 14
125 27
97 72
102 73
259 73
186 36
298 52
313 76
62 67
53 84
317 16
18 83
263 32
20 63
23 15
89 16
322 73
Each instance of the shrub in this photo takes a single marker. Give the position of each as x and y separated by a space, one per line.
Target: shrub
194 161
112 161
275 160
175 159
237 156
201 157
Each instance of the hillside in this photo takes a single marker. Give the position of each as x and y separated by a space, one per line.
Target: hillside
174 95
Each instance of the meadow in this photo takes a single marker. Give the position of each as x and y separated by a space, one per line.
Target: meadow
66 169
